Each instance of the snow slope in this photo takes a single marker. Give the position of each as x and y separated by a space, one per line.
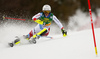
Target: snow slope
77 45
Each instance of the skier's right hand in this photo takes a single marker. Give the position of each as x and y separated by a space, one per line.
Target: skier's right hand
39 21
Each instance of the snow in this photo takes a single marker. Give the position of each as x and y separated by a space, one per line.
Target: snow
77 45
80 19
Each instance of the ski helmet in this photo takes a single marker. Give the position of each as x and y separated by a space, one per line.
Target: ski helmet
46 8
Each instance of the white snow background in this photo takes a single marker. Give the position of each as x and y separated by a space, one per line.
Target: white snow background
77 45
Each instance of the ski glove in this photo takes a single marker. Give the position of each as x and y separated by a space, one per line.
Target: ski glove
64 32
39 21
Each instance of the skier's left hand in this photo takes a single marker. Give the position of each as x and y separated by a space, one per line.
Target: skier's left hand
64 32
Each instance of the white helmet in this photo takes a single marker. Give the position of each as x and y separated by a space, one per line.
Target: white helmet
46 8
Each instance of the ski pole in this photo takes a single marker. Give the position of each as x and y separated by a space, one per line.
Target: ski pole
92 26
13 18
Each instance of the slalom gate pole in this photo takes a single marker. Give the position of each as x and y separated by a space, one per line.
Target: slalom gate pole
92 26
13 18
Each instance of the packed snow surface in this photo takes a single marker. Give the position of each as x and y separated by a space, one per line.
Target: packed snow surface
76 45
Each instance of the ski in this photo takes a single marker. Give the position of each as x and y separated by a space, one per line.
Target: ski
31 41
46 36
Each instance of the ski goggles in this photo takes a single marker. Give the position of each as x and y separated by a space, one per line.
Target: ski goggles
46 11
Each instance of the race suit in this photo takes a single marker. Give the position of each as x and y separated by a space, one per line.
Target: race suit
46 23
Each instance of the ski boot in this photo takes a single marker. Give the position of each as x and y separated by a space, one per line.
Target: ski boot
17 41
33 40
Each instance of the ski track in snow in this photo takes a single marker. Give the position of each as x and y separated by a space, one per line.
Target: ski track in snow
77 45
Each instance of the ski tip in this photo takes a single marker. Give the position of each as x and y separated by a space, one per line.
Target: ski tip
11 44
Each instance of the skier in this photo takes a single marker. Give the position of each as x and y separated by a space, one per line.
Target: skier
44 20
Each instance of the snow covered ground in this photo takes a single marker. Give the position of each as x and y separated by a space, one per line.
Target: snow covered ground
77 45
